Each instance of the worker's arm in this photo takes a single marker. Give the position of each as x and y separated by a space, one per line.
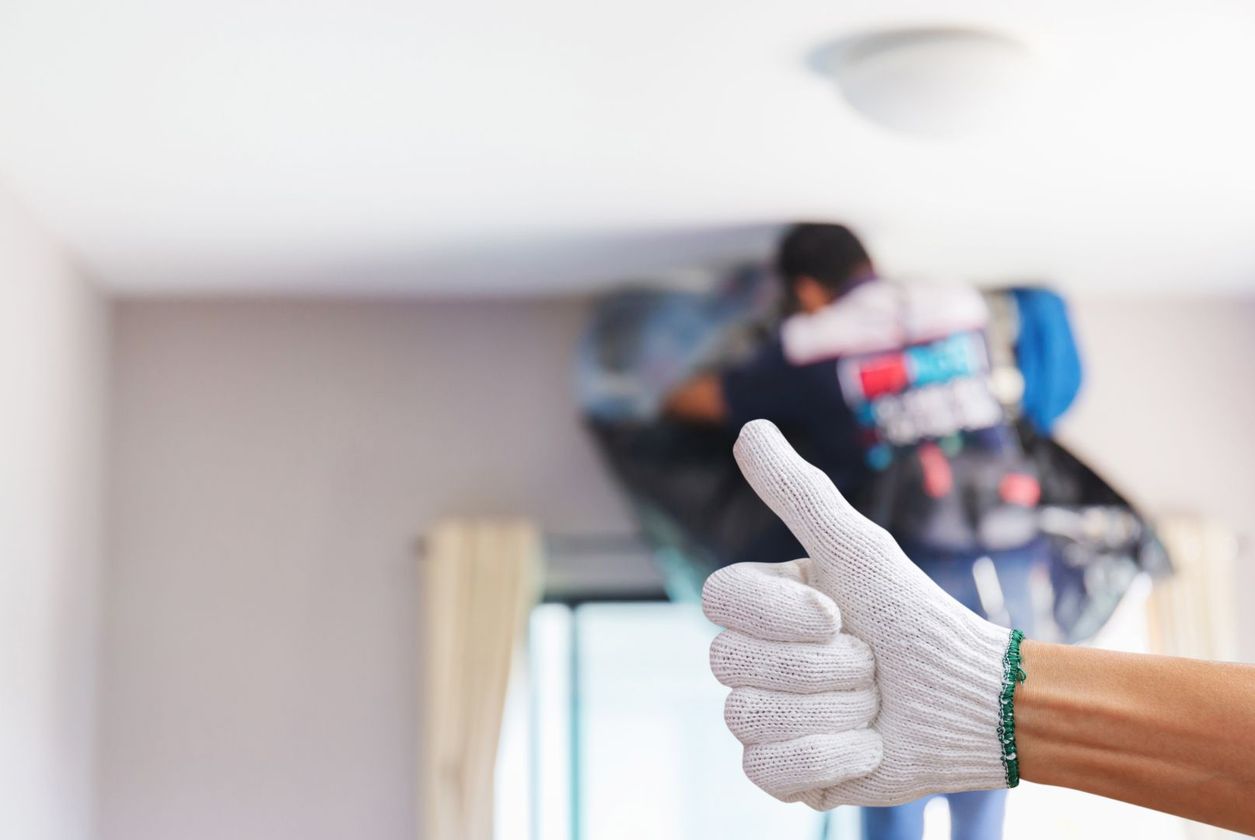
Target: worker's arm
699 400
766 385
1176 735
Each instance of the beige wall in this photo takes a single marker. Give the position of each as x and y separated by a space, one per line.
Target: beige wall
52 351
274 463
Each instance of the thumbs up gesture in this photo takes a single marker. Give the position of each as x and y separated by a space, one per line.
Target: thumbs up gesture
855 679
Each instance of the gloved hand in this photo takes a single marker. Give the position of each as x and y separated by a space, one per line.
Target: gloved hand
855 679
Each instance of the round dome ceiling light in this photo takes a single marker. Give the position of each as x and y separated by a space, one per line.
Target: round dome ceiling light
939 82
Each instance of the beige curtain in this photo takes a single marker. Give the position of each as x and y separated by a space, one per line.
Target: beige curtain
480 579
1193 612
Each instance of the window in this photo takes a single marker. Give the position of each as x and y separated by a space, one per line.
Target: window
614 731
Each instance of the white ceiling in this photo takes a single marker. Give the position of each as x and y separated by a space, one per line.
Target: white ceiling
378 147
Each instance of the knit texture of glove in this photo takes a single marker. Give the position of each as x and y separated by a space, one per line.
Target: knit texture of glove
855 679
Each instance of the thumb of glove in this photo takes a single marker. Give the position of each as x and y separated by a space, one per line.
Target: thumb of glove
858 564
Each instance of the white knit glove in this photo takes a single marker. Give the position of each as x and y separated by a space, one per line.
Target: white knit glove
855 679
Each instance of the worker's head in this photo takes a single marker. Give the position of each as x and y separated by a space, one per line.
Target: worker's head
819 262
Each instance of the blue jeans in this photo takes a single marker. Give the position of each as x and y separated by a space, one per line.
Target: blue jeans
975 815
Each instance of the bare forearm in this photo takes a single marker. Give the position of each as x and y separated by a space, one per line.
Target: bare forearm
1176 735
700 400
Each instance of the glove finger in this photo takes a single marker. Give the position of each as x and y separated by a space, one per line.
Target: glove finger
814 761
770 601
843 664
806 500
758 716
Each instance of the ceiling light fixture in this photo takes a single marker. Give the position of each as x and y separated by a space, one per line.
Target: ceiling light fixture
938 81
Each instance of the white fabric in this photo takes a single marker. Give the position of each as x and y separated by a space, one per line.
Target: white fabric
812 645
881 315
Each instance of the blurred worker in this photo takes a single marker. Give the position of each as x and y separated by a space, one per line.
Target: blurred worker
888 386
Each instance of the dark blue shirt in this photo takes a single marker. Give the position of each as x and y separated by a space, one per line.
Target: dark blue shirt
805 401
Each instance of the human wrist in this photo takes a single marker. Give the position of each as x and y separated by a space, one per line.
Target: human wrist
1047 706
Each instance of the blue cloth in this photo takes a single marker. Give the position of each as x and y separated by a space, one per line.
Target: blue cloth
1047 356
974 815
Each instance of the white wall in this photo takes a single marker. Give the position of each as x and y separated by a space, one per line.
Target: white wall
52 351
274 462
273 466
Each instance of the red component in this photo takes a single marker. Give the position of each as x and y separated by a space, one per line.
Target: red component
938 477
1019 489
883 375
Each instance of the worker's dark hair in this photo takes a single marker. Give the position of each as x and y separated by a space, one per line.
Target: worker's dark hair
829 253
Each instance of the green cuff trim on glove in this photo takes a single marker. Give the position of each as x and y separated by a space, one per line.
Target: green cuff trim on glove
1011 674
